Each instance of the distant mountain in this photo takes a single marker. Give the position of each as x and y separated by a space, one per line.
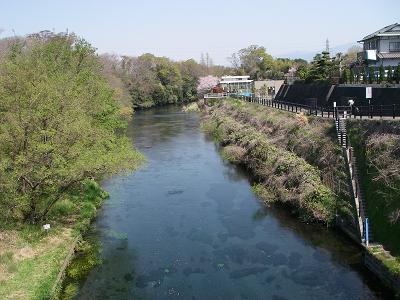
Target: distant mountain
310 55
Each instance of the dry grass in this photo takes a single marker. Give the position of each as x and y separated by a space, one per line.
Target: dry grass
259 140
29 266
233 153
310 138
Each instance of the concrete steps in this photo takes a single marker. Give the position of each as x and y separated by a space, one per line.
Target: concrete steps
358 193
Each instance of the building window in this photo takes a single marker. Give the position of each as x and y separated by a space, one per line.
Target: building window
394 47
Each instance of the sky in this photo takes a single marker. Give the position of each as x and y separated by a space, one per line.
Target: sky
182 29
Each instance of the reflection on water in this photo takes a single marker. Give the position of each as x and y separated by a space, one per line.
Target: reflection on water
187 226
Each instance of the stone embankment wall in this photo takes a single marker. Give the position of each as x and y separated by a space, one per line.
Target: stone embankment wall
381 271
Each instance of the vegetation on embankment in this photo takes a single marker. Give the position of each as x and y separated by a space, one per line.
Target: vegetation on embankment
294 158
377 148
62 128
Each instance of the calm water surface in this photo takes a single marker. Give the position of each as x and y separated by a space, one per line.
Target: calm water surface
187 226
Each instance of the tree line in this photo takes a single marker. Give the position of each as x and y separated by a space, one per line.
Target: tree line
61 123
151 81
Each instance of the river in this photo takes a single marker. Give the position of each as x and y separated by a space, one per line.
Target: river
187 226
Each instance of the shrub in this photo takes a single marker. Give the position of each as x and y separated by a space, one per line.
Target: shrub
282 174
88 210
64 207
233 153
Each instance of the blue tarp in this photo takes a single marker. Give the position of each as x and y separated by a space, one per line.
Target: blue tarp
246 94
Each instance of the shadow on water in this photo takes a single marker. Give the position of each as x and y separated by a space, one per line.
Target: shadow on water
188 227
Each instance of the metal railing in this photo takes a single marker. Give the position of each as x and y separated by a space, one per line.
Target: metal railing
391 111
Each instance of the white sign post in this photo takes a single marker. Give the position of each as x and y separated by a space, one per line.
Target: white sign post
368 92
46 227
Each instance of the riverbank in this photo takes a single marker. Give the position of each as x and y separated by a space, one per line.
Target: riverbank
264 139
293 157
31 260
376 145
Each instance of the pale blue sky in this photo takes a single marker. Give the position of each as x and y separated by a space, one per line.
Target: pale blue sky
184 29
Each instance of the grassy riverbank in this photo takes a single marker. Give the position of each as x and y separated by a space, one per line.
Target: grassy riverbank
293 157
31 259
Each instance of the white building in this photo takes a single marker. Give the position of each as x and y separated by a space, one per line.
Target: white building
237 84
382 47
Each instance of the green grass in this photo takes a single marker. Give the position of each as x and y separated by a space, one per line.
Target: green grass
392 263
33 277
35 258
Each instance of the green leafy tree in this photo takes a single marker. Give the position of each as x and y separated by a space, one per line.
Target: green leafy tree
253 61
303 72
155 80
60 124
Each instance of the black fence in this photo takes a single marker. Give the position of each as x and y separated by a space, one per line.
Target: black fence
368 111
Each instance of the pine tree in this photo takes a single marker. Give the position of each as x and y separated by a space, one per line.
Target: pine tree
364 75
371 74
351 76
390 74
345 76
397 74
381 74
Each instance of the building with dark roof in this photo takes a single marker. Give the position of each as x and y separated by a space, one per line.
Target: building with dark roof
381 47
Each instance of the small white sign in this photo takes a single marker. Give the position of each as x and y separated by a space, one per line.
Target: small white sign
46 227
368 92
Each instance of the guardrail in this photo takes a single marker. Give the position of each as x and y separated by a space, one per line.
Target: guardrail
367 111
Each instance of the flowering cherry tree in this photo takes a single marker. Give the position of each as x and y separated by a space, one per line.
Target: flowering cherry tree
206 84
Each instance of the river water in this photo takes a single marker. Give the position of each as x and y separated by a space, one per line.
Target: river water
187 226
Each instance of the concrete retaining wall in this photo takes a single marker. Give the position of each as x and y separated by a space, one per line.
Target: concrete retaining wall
300 93
380 270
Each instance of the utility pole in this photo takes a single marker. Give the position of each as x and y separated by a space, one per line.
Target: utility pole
327 45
